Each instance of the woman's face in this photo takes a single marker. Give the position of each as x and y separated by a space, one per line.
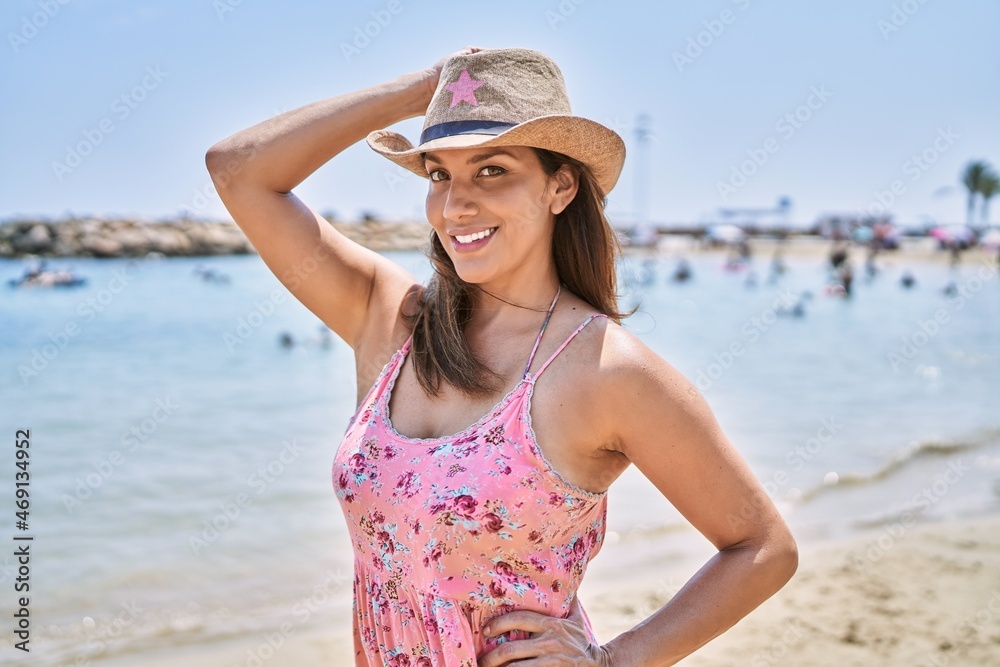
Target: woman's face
501 192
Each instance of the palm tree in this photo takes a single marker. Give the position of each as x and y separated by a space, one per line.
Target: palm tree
987 188
972 178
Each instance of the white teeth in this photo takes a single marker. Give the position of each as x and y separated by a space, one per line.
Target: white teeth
475 237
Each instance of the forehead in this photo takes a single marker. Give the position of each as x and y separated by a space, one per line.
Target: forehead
476 154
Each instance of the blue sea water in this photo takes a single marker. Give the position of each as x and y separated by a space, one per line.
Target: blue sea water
180 457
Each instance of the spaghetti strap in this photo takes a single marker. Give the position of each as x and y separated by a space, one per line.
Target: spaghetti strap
565 343
404 350
540 332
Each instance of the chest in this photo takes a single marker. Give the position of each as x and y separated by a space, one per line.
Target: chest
415 415
555 413
488 486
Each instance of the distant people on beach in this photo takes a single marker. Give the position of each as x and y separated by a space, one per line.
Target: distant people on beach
871 268
778 267
740 256
838 255
797 309
734 265
846 276
843 274
683 272
210 275
323 339
955 252
744 250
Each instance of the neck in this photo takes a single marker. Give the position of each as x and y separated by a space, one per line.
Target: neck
513 307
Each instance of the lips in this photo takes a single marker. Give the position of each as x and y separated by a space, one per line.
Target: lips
475 236
473 241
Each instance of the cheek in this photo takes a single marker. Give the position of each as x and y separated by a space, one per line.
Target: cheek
431 202
529 203
433 207
517 204
532 212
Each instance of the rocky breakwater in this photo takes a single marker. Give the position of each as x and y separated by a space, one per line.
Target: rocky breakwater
385 235
91 237
120 238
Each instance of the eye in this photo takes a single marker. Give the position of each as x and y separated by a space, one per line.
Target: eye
499 170
436 174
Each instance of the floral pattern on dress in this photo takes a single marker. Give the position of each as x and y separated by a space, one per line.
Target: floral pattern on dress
451 532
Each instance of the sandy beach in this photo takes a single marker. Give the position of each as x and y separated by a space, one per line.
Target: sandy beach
929 597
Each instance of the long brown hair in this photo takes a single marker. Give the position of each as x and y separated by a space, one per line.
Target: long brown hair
585 249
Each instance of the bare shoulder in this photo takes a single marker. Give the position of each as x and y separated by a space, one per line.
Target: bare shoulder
609 400
394 296
632 383
627 360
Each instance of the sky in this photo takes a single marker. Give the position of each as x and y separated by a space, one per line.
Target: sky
842 107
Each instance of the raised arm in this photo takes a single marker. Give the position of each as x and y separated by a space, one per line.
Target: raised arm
353 290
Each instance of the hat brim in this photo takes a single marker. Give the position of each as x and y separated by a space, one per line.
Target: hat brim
580 138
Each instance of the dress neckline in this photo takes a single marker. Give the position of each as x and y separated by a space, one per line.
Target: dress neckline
403 353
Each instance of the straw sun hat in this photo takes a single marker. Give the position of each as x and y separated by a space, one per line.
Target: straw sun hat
506 97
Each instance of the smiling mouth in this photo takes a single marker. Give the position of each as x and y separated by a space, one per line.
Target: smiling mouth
475 237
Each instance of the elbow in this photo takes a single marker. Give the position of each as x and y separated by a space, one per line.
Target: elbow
785 556
227 160
216 160
792 557
777 554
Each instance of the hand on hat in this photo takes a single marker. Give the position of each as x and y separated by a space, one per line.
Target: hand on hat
429 77
558 640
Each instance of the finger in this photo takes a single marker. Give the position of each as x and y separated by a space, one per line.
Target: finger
528 621
516 651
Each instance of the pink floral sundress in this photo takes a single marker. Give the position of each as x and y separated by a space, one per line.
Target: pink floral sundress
450 532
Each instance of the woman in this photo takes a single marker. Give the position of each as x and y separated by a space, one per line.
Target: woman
474 510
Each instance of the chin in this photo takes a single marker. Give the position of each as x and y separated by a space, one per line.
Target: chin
472 275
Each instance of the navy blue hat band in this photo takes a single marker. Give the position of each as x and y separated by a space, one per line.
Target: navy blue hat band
454 127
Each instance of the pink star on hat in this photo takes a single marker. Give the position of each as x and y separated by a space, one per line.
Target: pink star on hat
464 89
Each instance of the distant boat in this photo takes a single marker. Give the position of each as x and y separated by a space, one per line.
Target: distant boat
724 234
39 276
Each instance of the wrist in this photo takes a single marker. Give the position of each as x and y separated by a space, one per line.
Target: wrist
414 92
618 652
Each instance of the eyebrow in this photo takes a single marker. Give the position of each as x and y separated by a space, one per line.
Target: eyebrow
475 159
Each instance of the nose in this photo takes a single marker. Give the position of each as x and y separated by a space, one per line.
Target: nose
459 203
